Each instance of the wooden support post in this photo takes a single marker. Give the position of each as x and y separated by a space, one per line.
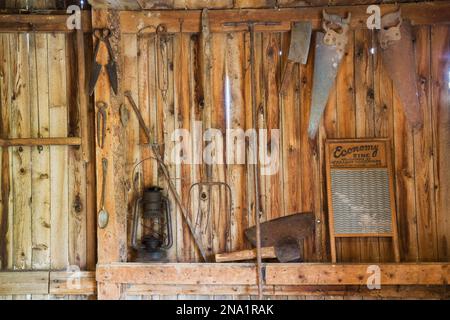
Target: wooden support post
112 240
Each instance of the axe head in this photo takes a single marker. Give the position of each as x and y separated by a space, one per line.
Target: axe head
284 234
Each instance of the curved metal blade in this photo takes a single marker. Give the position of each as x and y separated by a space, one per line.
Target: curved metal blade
399 60
96 68
326 65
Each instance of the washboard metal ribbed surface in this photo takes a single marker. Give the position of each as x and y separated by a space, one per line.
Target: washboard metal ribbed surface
359 186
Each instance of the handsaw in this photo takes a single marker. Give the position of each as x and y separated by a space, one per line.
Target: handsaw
397 54
298 50
330 48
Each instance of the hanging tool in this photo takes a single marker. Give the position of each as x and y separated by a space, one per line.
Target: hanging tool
330 48
103 35
103 215
397 54
166 174
101 123
199 188
256 170
298 50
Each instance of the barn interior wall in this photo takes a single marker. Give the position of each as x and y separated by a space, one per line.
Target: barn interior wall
47 218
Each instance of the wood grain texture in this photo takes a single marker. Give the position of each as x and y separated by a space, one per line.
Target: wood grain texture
440 101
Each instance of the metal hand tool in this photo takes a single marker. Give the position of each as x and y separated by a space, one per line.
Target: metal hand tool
103 215
103 35
397 54
329 52
256 171
101 123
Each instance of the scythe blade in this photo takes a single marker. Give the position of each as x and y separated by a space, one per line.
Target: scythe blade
326 65
398 59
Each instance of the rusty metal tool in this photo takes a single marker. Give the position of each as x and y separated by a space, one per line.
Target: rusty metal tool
298 50
101 123
103 216
256 169
330 48
285 234
102 36
166 174
397 54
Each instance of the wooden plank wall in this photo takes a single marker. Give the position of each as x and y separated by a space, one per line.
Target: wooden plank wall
362 104
44 213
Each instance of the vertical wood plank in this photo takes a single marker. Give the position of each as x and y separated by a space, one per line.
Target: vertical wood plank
76 167
423 154
291 148
58 154
235 173
21 162
40 206
405 189
5 182
131 56
220 218
271 60
440 104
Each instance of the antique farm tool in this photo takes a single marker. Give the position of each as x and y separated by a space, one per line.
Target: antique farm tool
204 191
101 123
165 172
256 170
397 53
103 215
330 49
298 50
103 35
284 234
157 235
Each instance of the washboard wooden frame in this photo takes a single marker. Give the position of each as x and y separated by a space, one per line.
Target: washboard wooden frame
360 155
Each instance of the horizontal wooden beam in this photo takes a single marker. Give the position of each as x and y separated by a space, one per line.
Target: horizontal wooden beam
47 282
177 273
70 141
418 292
81 283
422 13
358 274
276 274
19 282
54 22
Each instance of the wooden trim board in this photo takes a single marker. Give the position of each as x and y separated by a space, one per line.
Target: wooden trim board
54 22
135 21
276 273
71 141
45 282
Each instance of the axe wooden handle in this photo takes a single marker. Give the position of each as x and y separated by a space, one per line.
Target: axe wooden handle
266 252
287 76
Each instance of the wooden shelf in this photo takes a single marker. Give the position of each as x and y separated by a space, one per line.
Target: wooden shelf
276 273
